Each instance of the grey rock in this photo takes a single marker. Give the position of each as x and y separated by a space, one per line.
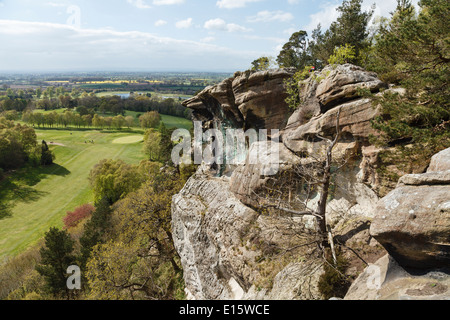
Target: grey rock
440 161
387 280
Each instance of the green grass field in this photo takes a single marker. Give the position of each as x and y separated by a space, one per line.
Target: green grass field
39 198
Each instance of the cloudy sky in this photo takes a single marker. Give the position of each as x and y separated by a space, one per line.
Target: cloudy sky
154 35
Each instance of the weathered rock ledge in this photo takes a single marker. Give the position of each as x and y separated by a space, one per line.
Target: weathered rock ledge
232 247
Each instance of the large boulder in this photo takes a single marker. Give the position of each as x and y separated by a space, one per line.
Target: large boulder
387 280
342 82
247 100
413 221
440 161
355 124
260 98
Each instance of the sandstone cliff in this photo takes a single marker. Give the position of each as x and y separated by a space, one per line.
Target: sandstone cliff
235 243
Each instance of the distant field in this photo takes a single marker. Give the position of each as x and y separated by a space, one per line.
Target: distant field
154 94
42 196
129 139
175 122
169 121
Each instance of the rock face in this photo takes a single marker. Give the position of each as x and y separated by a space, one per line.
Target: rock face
342 83
248 100
235 243
413 221
387 280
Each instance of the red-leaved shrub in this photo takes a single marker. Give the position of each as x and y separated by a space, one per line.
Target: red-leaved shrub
73 218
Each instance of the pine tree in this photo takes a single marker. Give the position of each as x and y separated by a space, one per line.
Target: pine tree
294 53
95 230
413 50
350 28
56 257
166 143
46 155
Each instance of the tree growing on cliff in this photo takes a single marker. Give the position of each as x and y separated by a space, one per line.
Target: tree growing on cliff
350 28
262 64
294 53
315 177
412 50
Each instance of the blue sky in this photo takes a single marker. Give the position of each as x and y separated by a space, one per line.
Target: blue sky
154 35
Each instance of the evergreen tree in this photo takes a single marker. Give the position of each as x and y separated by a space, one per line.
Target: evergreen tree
295 52
56 257
415 49
95 230
46 155
350 29
166 143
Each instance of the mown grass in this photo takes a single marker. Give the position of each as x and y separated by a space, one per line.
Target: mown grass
35 199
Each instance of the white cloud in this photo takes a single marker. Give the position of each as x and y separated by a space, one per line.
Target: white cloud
52 4
160 23
167 2
140 4
231 4
220 24
37 46
232 27
268 16
325 17
328 12
184 24
215 24
207 39
290 31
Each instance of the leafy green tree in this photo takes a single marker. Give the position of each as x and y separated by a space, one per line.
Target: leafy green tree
129 121
261 64
150 119
343 54
140 262
38 93
152 144
113 179
17 145
294 53
118 121
56 257
292 87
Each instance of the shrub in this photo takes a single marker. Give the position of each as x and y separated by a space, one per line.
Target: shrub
72 219
333 282
342 55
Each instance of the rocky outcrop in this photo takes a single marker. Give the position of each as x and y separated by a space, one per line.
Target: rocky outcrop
221 243
387 280
235 243
342 83
247 100
413 221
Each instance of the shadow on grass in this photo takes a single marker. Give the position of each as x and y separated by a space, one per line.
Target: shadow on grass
5 211
18 187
